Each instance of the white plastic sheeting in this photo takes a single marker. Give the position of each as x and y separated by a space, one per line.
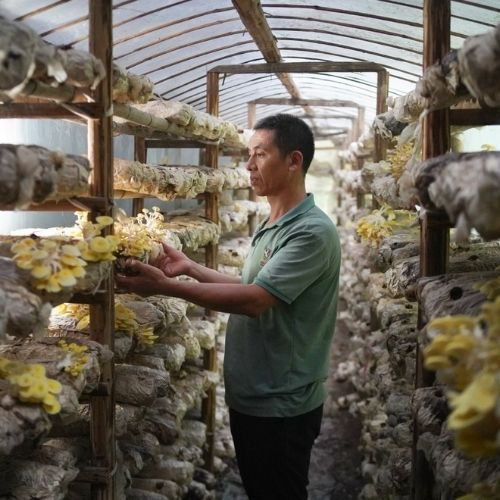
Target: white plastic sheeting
175 42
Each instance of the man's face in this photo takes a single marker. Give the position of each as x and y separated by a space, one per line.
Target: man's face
269 173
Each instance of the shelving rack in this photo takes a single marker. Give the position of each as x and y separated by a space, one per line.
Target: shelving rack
307 67
141 146
100 473
435 225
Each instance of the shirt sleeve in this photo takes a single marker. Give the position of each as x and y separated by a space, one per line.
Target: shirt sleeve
293 267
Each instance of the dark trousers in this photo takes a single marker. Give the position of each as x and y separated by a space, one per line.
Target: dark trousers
273 453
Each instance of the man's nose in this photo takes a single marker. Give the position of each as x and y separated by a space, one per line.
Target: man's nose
250 163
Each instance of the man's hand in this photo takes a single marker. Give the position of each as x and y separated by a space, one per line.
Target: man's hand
172 262
144 280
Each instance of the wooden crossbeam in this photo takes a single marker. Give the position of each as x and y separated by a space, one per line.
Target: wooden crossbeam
252 16
334 116
301 67
284 101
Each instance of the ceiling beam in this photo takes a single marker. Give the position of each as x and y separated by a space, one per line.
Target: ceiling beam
284 101
252 16
337 116
337 133
302 67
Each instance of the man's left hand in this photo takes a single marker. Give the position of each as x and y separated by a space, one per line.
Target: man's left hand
143 279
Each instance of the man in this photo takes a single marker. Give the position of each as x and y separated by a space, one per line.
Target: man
282 319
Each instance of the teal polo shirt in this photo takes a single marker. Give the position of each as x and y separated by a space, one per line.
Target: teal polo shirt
275 364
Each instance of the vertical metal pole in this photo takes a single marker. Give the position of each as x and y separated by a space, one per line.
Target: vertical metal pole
100 153
212 212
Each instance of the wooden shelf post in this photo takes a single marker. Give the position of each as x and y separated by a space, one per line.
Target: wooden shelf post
140 155
434 235
100 153
212 213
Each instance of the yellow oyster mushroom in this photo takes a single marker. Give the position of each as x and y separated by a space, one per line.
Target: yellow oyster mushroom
491 311
490 288
79 363
83 323
491 315
24 245
125 319
437 346
65 278
99 244
54 386
90 256
51 404
459 323
12 377
14 367
37 370
60 309
24 252
41 271
104 220
78 272
35 392
40 388
75 347
24 380
69 260
81 262
113 242
48 244
437 362
492 357
24 261
460 376
29 242
28 395
460 345
478 399
82 245
4 363
146 336
479 440
70 250
51 285
40 254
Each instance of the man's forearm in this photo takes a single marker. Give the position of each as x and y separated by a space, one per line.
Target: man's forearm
224 297
206 275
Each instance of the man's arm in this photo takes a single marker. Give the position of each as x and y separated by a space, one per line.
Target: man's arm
235 298
206 275
174 263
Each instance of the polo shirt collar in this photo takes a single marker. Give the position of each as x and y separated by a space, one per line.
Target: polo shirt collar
304 206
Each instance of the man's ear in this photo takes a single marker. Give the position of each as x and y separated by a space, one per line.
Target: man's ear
295 159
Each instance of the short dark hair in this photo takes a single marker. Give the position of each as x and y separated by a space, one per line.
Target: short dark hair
290 134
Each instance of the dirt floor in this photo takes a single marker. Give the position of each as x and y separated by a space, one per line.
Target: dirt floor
335 461
335 471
